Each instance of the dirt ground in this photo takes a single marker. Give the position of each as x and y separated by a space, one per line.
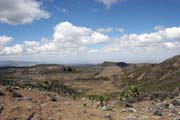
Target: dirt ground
39 105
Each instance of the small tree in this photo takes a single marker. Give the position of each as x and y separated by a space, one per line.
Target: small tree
106 100
101 100
92 98
134 91
131 91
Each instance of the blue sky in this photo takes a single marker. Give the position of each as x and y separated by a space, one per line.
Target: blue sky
105 17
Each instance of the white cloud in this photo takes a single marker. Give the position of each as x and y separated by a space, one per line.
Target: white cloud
4 39
16 49
70 35
121 30
21 11
104 30
109 29
108 3
173 45
69 39
169 37
159 27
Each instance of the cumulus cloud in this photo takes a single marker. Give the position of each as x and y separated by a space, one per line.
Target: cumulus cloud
77 40
172 45
5 39
104 30
169 38
69 34
159 27
108 3
67 38
21 11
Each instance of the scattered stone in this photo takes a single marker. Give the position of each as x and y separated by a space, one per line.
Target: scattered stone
171 107
172 96
108 116
132 110
83 98
2 93
162 106
170 114
166 105
43 105
176 102
15 94
54 98
16 88
106 108
128 105
28 98
157 112
148 109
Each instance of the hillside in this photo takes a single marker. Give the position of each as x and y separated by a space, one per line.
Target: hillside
59 92
105 78
163 76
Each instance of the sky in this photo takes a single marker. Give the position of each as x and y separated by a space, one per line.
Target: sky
89 31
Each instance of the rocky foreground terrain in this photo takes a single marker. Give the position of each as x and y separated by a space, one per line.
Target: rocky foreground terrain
108 91
31 104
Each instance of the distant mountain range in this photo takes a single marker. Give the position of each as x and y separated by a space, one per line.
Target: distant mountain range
164 76
10 63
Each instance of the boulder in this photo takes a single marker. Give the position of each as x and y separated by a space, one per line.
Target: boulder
132 110
148 109
28 98
2 93
176 102
15 94
128 105
171 107
54 98
157 112
162 106
106 108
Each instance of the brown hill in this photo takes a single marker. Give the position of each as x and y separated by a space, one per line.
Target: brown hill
162 76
